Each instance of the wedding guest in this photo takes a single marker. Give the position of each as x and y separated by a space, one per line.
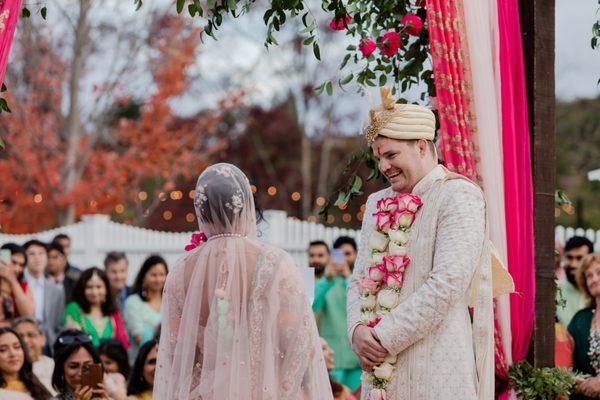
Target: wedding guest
143 312
30 331
571 297
340 392
65 241
141 382
57 269
17 380
16 298
318 257
73 351
49 298
93 310
116 265
114 357
329 306
585 329
348 246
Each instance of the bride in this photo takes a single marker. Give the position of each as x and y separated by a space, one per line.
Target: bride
237 324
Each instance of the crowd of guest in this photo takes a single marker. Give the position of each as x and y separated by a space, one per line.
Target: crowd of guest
57 320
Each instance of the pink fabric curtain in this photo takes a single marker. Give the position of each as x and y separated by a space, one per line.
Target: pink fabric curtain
518 185
451 83
9 16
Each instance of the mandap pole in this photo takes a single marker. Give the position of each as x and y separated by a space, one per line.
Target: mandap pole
537 27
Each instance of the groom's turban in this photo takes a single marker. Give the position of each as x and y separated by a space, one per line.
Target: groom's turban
399 121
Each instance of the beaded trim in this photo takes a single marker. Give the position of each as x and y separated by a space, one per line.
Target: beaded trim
220 235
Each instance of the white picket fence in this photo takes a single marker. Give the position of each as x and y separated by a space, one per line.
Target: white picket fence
563 234
96 235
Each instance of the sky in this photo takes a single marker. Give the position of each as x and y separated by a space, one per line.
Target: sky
577 65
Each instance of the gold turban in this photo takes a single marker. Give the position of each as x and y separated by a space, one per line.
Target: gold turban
399 121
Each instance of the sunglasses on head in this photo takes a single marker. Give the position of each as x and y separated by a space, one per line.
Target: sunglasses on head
70 339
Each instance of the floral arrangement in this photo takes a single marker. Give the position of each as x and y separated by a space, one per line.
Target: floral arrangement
380 291
196 240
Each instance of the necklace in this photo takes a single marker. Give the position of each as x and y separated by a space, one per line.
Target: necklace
220 235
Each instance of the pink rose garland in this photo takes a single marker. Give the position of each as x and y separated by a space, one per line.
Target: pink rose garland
380 291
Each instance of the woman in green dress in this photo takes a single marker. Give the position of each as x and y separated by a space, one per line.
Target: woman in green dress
585 330
93 310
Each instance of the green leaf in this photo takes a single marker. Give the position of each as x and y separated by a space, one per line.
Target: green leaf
192 9
317 51
25 13
340 199
357 185
308 41
1 144
232 4
4 88
43 11
180 4
138 4
319 89
347 80
4 106
346 59
267 16
351 47
382 80
329 88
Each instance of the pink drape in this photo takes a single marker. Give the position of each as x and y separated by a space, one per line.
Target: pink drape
456 144
518 185
9 16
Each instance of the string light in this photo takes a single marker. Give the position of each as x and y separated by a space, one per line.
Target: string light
312 219
176 195
330 219
254 188
142 196
167 215
119 208
191 194
190 217
272 190
347 218
296 196
38 198
343 206
363 208
359 216
93 203
320 201
162 196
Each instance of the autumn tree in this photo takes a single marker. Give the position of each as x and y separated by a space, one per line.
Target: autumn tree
88 143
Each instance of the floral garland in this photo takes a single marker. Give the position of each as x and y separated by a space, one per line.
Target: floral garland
380 291
196 240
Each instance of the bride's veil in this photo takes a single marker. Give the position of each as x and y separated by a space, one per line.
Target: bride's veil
236 323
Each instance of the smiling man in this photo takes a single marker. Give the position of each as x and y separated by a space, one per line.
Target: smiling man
435 349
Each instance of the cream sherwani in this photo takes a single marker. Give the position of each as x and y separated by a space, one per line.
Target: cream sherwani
441 353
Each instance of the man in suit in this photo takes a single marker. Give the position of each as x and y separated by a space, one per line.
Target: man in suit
58 271
116 266
65 241
48 296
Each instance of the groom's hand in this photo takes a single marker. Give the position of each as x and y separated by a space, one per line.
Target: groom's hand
366 345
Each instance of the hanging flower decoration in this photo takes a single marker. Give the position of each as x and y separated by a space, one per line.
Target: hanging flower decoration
339 24
380 291
196 240
412 24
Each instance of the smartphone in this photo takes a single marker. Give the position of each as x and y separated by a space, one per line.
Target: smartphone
337 256
92 375
5 256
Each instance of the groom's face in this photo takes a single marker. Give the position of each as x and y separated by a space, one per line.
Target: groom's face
400 161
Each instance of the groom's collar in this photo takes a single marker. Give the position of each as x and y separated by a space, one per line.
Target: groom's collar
428 180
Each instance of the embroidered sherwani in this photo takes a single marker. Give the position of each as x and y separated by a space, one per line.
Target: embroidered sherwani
441 353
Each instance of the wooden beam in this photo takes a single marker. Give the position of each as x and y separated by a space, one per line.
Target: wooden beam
537 26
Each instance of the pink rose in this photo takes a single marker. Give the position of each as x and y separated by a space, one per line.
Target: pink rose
387 204
390 43
402 219
395 263
196 240
377 273
373 324
377 394
340 24
383 220
394 280
367 47
368 286
408 202
412 24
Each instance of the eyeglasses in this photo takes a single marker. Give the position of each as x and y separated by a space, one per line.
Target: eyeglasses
70 338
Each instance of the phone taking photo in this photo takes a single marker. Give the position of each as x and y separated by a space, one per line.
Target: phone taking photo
92 375
337 256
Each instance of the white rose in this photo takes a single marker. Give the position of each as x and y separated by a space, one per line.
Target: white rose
399 237
379 241
369 301
367 317
388 298
384 371
367 378
397 250
390 359
377 258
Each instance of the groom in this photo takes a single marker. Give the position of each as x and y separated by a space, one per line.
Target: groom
437 350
